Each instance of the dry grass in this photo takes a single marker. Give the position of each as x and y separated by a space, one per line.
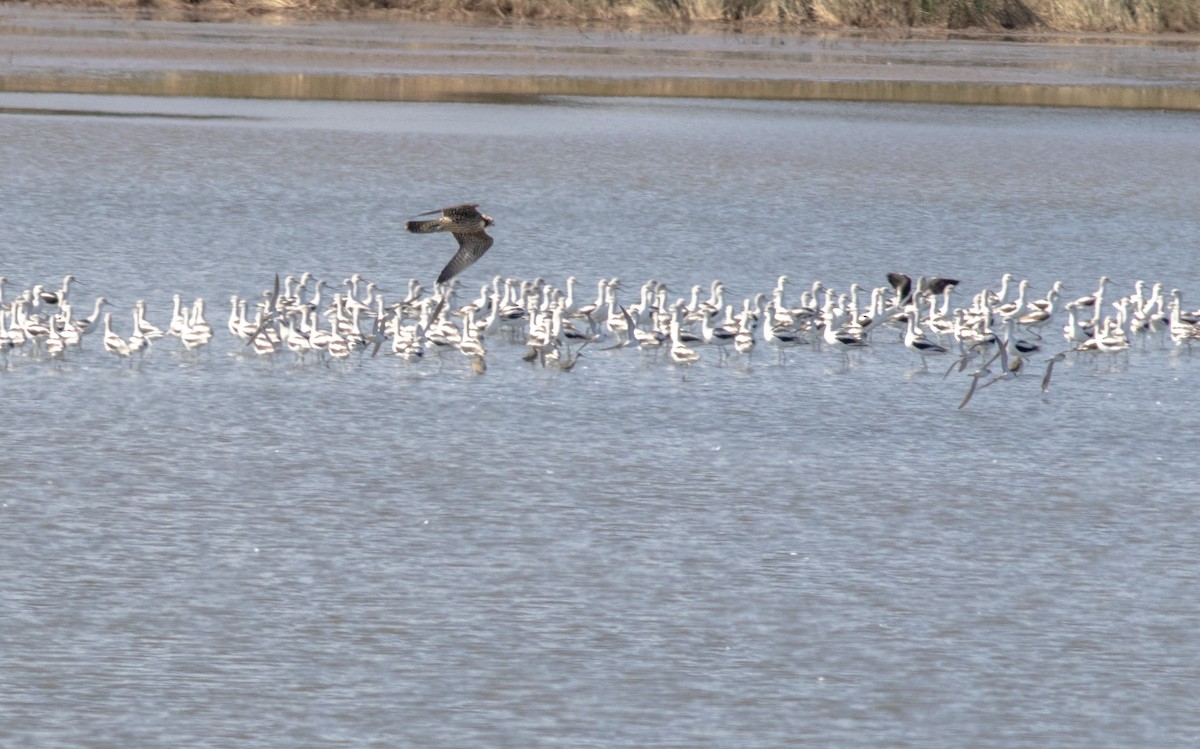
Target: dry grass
1131 16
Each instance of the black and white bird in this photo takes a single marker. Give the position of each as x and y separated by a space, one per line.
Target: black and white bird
905 287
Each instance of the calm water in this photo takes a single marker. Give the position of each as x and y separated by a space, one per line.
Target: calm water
227 552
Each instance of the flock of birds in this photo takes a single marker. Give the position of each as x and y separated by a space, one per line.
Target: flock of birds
993 338
995 335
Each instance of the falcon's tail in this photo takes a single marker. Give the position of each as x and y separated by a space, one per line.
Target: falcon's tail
424 227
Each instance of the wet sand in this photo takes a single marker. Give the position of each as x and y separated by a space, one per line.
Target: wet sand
48 50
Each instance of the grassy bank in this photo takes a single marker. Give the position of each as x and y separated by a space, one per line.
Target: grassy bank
1126 16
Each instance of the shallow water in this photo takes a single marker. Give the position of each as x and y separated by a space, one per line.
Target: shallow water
225 550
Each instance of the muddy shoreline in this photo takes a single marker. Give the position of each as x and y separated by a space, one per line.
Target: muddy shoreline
872 17
71 51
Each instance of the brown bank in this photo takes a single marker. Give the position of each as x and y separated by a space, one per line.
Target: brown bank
1104 16
395 56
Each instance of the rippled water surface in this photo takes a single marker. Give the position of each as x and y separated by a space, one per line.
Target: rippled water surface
222 550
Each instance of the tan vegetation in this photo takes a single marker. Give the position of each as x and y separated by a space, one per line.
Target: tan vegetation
1129 16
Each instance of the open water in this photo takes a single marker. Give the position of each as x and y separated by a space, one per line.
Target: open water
227 551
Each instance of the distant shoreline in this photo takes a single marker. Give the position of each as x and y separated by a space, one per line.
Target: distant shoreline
904 18
394 56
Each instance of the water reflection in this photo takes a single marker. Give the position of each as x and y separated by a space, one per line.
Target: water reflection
533 88
65 112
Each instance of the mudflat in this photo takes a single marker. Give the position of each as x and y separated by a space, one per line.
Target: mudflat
47 49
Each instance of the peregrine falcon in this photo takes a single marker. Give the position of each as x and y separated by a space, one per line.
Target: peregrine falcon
467 225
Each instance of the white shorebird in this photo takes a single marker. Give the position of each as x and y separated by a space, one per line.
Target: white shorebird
177 321
113 343
87 324
1093 300
843 338
681 353
916 342
193 337
982 332
142 326
1016 307
43 297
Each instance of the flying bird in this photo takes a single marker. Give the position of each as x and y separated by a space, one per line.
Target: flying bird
905 287
1050 368
467 225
